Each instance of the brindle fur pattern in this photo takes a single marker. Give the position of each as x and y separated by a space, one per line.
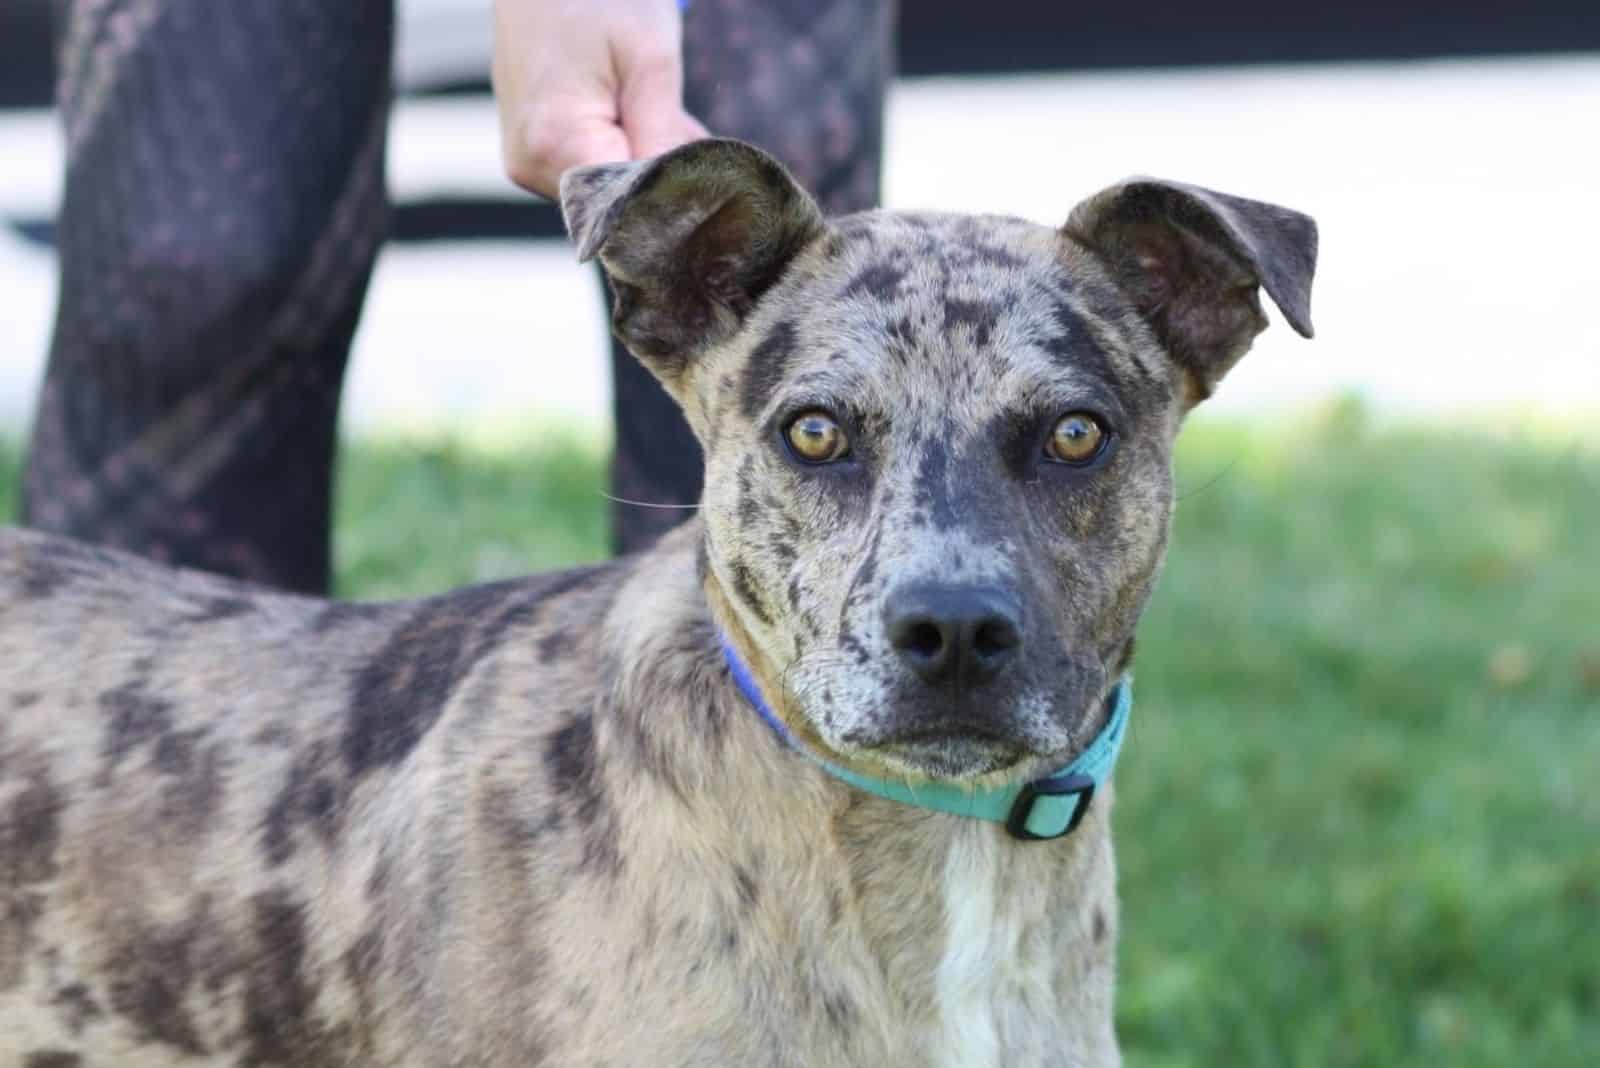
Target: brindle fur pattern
533 823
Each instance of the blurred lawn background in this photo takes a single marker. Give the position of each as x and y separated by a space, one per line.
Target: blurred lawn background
1358 822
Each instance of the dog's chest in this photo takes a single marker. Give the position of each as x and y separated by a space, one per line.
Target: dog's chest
999 977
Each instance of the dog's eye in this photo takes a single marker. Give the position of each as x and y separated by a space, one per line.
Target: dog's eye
1078 438
816 438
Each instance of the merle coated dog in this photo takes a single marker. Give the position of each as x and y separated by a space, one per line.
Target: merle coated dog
822 779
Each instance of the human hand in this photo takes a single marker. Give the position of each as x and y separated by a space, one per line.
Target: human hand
587 81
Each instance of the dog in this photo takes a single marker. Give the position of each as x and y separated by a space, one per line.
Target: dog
692 807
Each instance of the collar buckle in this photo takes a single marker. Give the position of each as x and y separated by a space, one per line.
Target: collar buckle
1045 799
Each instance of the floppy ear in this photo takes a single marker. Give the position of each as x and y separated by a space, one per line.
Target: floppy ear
1191 259
689 241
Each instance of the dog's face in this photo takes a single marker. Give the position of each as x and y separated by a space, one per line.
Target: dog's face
937 447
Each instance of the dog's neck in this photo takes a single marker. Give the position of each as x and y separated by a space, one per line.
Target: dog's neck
981 937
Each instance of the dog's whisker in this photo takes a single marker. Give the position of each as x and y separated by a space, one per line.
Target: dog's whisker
1213 480
646 504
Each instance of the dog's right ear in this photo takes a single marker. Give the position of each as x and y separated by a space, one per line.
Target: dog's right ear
689 241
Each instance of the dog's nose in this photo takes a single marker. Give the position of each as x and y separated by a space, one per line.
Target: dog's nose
962 633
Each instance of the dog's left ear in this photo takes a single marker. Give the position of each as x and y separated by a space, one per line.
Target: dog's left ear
1191 260
689 241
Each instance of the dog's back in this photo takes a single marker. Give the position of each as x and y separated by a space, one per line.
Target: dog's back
207 760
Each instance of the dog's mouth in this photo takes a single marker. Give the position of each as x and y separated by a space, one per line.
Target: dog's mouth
986 737
960 748
966 742
936 754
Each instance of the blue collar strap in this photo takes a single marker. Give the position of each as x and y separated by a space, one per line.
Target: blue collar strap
1043 809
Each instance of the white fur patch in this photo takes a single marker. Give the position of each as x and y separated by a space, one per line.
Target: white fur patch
991 980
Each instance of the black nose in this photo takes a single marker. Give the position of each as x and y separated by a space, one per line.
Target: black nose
965 634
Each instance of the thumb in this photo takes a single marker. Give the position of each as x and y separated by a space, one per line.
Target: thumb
592 140
651 102
537 161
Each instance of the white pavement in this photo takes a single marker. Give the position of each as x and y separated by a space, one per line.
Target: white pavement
1456 200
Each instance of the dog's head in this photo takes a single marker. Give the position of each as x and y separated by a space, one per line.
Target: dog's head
938 448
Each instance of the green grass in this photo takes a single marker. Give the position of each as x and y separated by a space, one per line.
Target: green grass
421 517
1360 821
1359 815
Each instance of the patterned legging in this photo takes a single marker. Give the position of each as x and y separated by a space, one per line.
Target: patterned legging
224 202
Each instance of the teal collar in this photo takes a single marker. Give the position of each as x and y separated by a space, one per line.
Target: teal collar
1043 809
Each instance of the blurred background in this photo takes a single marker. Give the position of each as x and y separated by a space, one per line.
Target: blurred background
1359 821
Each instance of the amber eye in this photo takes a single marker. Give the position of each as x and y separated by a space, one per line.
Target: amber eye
1078 437
816 438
